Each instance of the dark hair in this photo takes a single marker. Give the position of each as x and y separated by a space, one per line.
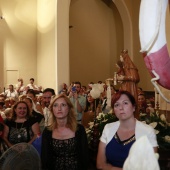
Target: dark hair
49 90
119 93
29 99
32 79
77 82
2 103
31 91
94 104
12 86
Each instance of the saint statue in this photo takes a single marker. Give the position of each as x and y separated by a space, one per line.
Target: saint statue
130 77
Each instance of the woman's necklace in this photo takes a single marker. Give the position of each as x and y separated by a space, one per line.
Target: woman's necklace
19 130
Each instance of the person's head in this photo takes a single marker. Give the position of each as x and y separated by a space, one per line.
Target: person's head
123 54
77 84
31 93
7 103
2 98
62 108
47 94
119 64
113 90
126 60
29 102
2 104
11 87
12 101
20 80
90 99
31 80
141 99
140 91
64 86
123 104
7 112
20 110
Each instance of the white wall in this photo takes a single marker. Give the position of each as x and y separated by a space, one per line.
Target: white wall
18 43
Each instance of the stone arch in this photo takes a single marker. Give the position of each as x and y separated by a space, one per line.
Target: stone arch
62 36
127 25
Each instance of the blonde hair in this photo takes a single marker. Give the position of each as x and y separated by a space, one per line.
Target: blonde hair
71 117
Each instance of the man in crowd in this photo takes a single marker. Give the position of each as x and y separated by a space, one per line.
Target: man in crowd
47 95
78 101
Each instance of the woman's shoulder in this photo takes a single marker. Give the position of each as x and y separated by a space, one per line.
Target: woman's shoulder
112 125
46 131
9 122
80 127
142 125
31 120
143 129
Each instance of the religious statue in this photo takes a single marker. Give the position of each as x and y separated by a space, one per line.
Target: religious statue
129 77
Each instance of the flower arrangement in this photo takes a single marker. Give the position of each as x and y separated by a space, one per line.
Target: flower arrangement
162 127
100 121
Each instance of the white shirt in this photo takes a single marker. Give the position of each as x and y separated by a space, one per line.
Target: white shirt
47 116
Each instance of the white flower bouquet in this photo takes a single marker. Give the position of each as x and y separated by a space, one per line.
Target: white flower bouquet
162 128
100 121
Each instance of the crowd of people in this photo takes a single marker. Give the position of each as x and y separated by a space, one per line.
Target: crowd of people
60 120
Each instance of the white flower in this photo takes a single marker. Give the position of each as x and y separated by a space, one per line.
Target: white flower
157 113
167 138
156 131
105 120
100 115
163 118
143 122
161 124
143 114
97 89
88 131
153 124
91 124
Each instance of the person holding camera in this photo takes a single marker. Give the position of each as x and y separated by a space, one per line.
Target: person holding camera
78 101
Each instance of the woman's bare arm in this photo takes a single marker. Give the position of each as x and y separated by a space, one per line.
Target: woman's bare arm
5 135
36 131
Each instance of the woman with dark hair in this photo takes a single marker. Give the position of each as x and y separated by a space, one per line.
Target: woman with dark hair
118 137
21 127
64 141
92 107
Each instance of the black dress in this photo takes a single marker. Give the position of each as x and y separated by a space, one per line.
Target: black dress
20 132
68 154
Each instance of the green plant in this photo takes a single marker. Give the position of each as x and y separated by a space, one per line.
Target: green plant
162 127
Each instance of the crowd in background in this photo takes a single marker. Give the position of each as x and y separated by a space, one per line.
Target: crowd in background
26 112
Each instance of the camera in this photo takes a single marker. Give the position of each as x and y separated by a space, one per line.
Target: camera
73 89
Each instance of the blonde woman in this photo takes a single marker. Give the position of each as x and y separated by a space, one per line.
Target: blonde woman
64 142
